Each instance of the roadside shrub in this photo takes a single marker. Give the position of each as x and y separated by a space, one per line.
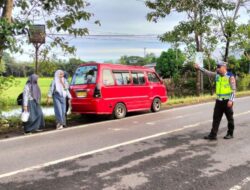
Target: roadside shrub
243 82
181 87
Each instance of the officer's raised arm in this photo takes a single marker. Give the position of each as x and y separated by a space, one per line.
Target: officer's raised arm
205 71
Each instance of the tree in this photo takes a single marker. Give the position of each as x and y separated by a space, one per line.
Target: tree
228 24
60 17
7 60
48 68
124 60
72 65
169 65
137 60
64 16
150 58
132 60
199 15
243 39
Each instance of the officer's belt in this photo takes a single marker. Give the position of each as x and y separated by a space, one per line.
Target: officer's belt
222 99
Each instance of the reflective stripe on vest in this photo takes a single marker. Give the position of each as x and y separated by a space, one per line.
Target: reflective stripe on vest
223 88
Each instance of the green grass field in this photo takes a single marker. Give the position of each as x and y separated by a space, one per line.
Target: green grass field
9 96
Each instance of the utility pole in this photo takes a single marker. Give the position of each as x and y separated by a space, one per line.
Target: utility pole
37 46
37 37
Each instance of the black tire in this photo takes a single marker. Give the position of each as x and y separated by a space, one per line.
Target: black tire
120 111
156 105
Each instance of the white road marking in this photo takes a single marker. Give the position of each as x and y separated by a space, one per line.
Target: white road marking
95 151
243 113
179 117
106 148
116 129
150 123
241 184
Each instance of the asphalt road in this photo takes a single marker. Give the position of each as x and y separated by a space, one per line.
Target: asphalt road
152 151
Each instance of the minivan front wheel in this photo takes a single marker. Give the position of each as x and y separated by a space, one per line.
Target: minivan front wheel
120 111
156 105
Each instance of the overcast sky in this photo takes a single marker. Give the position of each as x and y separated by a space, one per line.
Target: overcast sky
127 17
119 17
122 17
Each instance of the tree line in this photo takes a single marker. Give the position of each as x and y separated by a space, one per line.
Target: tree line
47 68
172 65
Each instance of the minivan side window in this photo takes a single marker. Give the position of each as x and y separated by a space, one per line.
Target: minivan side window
138 78
122 77
152 77
107 77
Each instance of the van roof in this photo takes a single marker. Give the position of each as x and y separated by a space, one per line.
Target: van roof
118 66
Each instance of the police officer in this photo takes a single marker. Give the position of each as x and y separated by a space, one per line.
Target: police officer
225 92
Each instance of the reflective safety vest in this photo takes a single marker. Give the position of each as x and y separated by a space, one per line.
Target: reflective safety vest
223 87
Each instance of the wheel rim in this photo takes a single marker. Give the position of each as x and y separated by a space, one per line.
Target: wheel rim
120 111
157 104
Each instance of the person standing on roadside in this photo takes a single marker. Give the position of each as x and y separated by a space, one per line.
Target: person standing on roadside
31 104
68 97
225 92
59 91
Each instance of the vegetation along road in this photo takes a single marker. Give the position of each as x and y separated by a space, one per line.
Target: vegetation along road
163 150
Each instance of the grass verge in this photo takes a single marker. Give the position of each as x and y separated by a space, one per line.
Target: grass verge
15 126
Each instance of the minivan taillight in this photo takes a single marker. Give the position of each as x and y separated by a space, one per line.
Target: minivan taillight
97 92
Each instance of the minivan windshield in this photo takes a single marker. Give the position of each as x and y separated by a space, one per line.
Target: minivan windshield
85 75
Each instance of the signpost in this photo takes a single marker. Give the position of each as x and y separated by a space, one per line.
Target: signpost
199 61
37 37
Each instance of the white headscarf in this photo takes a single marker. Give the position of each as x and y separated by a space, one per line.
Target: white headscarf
58 85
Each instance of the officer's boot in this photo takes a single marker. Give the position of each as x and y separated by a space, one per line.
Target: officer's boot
211 137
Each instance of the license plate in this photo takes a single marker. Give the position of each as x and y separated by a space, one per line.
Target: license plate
81 94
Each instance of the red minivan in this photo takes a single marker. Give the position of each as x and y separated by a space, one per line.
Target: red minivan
100 88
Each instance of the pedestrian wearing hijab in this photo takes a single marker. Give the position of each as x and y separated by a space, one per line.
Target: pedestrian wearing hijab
59 91
31 104
68 97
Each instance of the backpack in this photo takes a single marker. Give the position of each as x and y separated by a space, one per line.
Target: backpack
19 99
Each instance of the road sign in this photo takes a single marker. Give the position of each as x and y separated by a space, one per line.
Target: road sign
37 34
199 59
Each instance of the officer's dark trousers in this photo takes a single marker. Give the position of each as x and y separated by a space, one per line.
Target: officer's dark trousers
219 109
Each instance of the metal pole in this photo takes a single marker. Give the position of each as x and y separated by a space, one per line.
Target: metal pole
36 61
202 83
198 80
37 46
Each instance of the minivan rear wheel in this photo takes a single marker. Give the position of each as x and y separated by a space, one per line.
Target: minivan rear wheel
120 111
156 105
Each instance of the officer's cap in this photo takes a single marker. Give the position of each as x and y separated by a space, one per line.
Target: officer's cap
221 63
